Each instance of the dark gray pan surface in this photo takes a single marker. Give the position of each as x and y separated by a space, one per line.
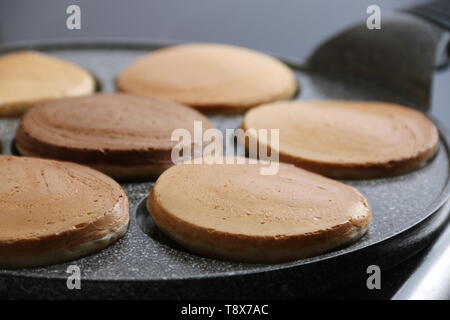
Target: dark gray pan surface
398 203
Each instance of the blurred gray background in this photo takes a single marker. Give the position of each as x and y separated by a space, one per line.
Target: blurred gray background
290 28
284 27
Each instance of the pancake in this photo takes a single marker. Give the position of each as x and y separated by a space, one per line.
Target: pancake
28 77
348 140
53 211
125 136
210 77
232 212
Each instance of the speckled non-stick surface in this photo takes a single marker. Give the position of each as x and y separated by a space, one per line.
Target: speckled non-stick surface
144 255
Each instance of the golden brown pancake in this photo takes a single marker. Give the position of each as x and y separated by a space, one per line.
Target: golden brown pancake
28 77
56 211
210 77
345 139
232 212
125 136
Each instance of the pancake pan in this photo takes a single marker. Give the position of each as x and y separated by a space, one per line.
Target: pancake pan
407 212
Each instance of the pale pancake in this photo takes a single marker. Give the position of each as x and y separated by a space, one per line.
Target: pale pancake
347 139
28 77
210 77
